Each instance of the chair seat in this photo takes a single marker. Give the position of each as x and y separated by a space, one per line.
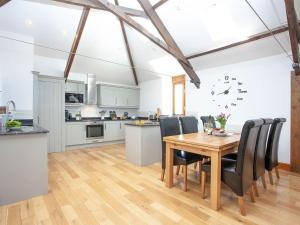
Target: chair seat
228 174
186 158
232 156
228 165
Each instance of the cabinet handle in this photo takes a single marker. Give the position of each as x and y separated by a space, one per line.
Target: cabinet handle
105 127
120 126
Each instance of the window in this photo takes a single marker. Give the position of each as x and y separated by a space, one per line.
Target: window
179 95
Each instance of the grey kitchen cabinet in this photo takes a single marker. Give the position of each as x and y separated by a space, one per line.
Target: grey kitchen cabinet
107 96
48 109
114 130
133 98
116 96
75 133
75 87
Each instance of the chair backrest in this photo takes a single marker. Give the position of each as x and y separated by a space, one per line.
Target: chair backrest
168 126
260 151
271 159
208 119
245 157
189 124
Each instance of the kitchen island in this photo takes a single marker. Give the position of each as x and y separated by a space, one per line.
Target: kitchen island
143 143
23 163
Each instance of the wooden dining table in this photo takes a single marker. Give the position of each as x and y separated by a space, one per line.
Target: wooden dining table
208 145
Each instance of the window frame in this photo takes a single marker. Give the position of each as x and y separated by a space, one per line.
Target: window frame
180 79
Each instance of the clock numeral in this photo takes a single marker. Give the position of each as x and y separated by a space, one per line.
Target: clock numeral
226 77
239 99
233 104
226 82
219 105
240 83
212 93
240 91
233 78
226 106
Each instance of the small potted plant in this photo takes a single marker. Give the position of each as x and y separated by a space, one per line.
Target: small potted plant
222 120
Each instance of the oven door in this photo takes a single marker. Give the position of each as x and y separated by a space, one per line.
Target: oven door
94 131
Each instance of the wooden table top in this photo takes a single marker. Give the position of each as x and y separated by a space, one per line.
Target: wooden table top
201 139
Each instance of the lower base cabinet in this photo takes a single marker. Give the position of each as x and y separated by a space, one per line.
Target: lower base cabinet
114 130
75 133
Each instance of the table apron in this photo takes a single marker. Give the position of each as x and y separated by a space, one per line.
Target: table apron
202 150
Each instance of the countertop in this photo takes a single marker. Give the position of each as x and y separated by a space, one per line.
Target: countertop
93 119
145 124
24 130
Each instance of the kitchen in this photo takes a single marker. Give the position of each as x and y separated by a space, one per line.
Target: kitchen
105 120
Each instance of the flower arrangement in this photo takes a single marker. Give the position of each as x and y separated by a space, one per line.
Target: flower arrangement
222 119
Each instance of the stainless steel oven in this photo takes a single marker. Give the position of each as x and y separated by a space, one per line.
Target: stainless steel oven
94 131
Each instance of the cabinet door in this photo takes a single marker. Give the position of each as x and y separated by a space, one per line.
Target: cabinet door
81 88
122 97
75 134
122 130
71 87
108 96
133 98
49 112
112 131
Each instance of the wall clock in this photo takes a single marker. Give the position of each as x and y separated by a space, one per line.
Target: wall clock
227 92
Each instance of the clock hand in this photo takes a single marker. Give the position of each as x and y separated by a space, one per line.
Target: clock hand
221 93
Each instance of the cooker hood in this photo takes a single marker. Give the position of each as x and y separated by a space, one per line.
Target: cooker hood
91 90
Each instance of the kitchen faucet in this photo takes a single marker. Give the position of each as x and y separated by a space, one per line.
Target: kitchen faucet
8 104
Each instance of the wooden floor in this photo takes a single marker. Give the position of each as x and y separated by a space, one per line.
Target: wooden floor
97 186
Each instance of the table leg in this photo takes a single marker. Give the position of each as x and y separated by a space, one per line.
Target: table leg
169 166
215 180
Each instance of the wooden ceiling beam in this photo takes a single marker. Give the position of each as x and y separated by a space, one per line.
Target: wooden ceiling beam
132 23
159 3
256 37
294 33
3 2
157 22
94 4
76 41
128 49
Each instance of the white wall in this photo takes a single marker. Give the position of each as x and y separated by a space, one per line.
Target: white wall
267 81
155 94
16 64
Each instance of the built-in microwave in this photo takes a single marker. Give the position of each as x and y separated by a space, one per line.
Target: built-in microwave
94 131
74 98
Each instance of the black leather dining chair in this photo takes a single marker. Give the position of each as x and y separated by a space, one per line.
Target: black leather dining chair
271 159
170 126
238 174
259 155
189 125
208 119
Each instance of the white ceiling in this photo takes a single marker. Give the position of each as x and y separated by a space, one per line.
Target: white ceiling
196 25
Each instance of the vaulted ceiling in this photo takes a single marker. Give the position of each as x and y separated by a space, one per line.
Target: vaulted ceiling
196 26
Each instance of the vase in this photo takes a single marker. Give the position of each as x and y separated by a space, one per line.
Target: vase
223 126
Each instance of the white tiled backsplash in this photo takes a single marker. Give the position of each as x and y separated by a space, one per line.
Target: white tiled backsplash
93 111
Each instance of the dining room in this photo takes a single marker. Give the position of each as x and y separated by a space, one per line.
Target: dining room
155 112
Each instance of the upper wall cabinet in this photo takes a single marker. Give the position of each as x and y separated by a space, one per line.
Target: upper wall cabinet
75 87
121 97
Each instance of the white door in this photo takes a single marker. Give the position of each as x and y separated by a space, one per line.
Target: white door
50 111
